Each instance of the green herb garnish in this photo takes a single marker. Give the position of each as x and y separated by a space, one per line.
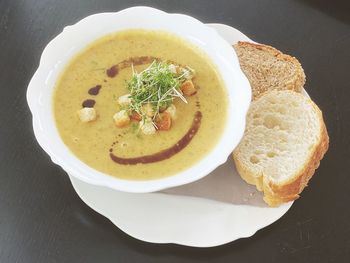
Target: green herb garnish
156 86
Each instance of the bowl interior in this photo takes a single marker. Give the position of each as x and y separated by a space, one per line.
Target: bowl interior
74 38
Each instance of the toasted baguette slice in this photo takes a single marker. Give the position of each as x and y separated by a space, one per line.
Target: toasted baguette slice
284 141
269 69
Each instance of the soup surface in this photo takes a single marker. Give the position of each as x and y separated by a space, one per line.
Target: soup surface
97 77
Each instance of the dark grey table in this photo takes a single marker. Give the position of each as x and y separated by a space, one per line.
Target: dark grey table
43 220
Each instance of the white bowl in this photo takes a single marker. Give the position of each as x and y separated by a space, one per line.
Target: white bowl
73 38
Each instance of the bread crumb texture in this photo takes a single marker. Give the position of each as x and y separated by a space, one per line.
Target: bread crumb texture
284 141
268 69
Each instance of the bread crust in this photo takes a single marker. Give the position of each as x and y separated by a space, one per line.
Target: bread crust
296 84
276 194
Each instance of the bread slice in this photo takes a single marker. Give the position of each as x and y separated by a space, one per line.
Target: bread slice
269 69
284 141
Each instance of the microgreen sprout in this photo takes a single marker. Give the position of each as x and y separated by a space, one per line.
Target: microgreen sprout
157 85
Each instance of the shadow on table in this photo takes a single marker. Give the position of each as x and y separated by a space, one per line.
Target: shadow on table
338 9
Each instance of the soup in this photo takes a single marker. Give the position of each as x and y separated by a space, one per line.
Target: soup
149 105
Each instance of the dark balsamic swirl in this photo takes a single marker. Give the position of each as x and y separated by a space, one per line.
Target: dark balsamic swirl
166 153
114 70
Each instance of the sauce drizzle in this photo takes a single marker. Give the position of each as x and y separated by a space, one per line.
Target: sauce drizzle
114 70
166 153
94 90
88 103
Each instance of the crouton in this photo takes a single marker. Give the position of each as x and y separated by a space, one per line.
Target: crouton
188 88
147 127
121 118
172 111
173 68
164 121
87 114
135 116
124 100
188 73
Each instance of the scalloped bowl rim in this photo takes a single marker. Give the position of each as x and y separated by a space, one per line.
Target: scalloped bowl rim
74 38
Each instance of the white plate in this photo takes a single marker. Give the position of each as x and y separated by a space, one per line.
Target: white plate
213 211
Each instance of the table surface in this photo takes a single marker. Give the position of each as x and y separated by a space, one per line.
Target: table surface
43 220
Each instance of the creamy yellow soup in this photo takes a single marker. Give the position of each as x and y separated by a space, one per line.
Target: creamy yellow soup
93 142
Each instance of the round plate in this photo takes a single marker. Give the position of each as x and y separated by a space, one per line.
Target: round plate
212 211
